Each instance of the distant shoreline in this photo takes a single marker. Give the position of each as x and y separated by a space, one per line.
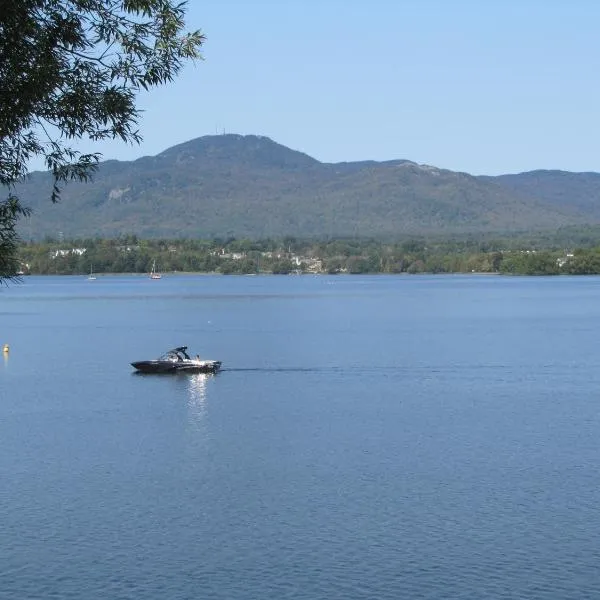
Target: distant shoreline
168 274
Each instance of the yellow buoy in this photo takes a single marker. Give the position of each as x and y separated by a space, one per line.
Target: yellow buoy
5 348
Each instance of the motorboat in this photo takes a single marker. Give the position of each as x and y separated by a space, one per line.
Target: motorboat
177 361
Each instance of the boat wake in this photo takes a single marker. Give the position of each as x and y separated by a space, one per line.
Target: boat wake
284 369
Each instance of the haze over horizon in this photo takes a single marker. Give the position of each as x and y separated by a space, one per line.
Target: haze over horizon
486 90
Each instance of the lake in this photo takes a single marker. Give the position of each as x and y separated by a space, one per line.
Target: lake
368 438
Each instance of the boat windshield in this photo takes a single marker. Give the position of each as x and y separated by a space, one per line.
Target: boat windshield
175 355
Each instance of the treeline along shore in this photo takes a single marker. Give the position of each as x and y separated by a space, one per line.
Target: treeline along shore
130 254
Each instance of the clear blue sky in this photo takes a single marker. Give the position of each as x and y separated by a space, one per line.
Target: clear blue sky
486 87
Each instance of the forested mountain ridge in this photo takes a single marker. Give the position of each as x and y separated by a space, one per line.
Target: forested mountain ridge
250 186
579 191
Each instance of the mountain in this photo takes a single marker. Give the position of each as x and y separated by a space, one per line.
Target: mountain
562 189
250 186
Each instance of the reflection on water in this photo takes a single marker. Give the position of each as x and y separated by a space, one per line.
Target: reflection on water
197 405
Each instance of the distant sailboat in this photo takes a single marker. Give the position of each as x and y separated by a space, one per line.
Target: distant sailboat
91 276
153 273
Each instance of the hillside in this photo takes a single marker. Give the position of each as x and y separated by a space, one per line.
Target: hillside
579 191
251 186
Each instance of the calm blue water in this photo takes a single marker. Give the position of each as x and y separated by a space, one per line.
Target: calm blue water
368 438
